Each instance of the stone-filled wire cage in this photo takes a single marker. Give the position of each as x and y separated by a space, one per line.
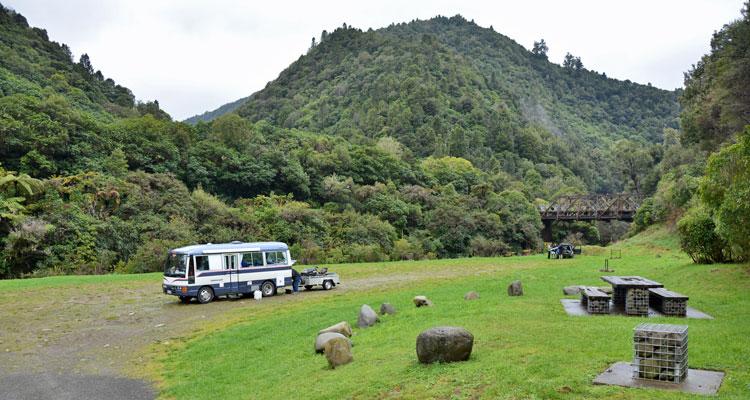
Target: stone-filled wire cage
674 307
636 302
660 352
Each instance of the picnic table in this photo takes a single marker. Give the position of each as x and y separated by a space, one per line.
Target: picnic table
631 292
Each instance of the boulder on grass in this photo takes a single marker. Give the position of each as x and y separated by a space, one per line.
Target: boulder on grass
571 290
367 317
422 301
323 338
338 352
471 295
515 289
387 308
444 344
342 327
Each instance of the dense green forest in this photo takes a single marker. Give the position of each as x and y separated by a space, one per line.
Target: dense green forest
704 187
425 139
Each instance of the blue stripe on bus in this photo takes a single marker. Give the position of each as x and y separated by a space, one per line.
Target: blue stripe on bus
243 271
242 287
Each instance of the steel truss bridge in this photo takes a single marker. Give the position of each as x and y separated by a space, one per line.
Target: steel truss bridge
591 207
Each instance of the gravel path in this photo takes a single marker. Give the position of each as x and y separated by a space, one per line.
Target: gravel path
81 341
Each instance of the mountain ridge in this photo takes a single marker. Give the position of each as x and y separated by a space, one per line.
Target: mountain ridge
446 86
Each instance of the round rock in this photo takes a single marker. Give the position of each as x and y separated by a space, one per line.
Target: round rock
422 301
387 308
471 295
444 344
323 338
338 352
342 327
367 317
515 289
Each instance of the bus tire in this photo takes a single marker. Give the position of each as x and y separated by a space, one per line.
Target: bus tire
205 294
327 285
184 300
308 287
268 289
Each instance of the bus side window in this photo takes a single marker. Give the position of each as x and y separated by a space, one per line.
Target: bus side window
230 261
201 263
275 257
254 259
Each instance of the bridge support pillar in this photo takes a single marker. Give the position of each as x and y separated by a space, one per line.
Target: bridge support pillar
547 231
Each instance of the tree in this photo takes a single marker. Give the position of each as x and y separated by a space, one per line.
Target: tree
572 62
233 131
715 102
725 190
14 191
116 164
633 160
540 49
85 63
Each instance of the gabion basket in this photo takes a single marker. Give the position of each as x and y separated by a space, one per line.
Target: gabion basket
660 352
674 307
636 302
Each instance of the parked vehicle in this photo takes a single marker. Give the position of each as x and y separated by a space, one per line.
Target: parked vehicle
562 250
209 270
312 277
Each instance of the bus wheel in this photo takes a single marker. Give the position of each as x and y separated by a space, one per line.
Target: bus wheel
308 287
328 285
268 289
184 300
205 295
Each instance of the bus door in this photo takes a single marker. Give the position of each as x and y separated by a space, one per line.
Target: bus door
231 281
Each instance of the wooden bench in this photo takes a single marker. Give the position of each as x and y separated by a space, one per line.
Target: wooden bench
668 302
595 300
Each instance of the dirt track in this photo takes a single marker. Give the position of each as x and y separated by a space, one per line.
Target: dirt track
77 340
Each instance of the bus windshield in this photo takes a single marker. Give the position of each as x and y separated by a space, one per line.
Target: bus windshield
176 265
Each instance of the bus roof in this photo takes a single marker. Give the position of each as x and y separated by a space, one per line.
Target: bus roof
233 247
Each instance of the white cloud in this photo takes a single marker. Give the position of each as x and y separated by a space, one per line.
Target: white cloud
194 56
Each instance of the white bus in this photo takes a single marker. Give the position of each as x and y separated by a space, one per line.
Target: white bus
208 270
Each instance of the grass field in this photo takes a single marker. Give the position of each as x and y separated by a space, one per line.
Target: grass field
525 347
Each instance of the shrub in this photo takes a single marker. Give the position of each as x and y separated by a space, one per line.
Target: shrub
483 247
366 253
698 237
407 249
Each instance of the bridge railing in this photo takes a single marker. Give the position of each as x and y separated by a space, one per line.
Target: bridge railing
592 207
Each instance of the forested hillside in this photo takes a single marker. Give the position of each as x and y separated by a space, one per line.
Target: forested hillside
704 182
209 116
446 86
430 139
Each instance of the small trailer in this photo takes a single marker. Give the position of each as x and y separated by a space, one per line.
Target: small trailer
319 277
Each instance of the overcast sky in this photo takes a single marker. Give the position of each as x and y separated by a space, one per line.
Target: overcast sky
194 56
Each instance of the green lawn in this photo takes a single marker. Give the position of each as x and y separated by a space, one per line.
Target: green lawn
525 347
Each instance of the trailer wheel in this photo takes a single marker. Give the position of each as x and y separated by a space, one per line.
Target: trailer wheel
205 294
184 300
268 289
328 285
308 287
